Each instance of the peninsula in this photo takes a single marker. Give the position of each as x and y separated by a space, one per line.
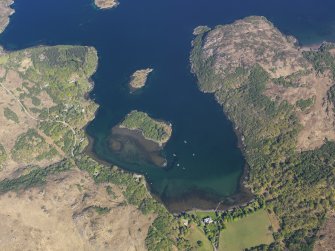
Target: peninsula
106 4
281 100
139 79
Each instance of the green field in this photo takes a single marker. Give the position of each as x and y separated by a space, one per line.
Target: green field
250 231
194 235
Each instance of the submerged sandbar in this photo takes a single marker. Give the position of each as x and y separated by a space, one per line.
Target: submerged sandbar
140 139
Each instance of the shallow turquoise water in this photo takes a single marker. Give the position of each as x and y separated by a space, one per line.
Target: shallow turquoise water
157 34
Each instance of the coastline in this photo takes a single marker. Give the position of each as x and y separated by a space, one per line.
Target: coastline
312 46
161 144
240 198
149 151
89 152
207 202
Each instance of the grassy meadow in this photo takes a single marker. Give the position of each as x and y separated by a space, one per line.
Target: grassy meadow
195 235
247 232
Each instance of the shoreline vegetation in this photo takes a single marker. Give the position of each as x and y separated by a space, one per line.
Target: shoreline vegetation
106 4
139 79
255 92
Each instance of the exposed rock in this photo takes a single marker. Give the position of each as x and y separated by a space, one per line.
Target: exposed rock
106 4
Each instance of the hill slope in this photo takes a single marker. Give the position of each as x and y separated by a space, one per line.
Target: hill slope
280 98
49 189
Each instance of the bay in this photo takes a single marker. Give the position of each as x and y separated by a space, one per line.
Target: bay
208 164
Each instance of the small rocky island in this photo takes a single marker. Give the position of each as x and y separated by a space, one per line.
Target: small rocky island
139 78
140 139
106 4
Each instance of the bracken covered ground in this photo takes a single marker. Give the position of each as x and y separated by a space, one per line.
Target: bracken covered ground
64 215
47 201
255 40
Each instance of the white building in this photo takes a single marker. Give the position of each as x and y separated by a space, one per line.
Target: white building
207 220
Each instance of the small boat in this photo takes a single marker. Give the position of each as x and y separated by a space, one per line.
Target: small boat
174 155
193 154
178 164
185 141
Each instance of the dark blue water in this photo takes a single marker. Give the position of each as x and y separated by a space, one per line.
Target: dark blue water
157 34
